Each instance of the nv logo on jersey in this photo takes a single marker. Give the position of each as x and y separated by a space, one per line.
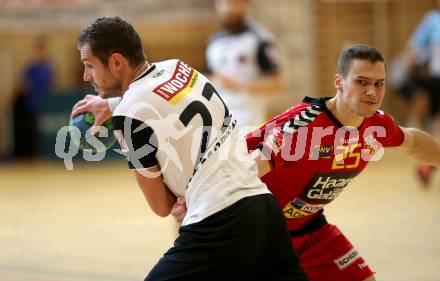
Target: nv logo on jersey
322 151
180 84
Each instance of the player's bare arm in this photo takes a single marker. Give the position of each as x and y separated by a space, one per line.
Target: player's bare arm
268 84
421 146
159 197
271 83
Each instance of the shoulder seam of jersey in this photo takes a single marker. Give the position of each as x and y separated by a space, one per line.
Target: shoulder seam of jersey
302 119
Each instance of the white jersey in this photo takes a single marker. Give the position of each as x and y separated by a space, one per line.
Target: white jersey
243 57
173 117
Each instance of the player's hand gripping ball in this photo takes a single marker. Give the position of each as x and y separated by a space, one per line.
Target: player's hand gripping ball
84 122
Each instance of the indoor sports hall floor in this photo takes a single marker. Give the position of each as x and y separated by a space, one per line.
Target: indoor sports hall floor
92 223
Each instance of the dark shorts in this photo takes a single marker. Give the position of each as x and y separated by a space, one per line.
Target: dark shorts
435 96
413 85
246 241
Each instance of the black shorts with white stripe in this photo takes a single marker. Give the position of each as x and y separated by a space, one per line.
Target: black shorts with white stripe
246 241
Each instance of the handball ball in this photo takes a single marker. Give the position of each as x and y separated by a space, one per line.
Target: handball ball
84 122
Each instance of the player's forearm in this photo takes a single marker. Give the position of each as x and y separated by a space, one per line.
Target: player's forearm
162 205
158 196
424 147
272 84
167 204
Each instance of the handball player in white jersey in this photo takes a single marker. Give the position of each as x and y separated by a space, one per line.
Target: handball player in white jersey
181 140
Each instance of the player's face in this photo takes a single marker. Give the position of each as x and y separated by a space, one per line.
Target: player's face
99 75
363 89
231 11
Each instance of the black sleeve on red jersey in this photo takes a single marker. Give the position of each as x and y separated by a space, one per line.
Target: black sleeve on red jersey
140 140
266 61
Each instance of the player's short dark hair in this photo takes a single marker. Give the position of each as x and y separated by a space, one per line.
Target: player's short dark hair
108 35
357 52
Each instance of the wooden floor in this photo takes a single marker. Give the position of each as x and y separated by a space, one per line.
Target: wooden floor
92 223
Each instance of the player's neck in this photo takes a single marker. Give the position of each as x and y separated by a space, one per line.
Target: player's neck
134 74
343 113
139 70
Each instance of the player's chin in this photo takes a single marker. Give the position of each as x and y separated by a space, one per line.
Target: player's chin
109 94
100 92
103 94
370 109
369 113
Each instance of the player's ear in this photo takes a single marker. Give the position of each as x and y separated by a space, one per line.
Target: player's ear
116 61
338 82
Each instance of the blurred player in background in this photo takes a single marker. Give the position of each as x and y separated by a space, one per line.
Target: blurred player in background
411 82
423 51
180 139
242 62
36 81
317 147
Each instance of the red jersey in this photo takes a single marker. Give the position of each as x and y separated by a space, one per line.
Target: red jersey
314 157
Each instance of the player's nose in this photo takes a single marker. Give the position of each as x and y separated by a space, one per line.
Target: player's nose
86 76
371 90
